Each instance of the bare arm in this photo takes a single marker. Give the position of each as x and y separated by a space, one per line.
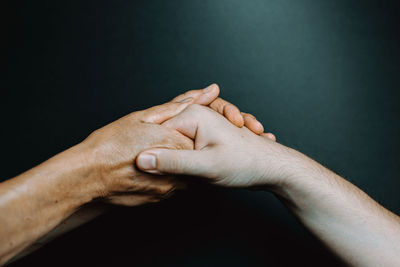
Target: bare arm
348 221
52 198
83 215
38 200
101 167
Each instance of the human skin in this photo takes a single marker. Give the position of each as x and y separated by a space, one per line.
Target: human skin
355 227
74 183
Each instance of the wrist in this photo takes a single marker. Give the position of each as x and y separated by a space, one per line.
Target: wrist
285 169
62 182
301 178
85 171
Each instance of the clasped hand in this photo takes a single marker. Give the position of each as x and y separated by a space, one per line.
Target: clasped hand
196 120
195 134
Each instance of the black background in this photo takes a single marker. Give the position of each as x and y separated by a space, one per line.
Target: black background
322 75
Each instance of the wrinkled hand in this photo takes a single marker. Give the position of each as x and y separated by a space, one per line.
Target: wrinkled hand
225 154
113 148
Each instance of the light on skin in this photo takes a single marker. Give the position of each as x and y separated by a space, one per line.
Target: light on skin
354 226
53 197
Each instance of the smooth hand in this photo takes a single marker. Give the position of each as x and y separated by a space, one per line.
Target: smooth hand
228 155
345 219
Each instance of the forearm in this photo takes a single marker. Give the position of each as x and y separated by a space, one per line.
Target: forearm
36 201
347 220
78 218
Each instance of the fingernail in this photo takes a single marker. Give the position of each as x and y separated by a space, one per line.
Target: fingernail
187 99
147 161
208 89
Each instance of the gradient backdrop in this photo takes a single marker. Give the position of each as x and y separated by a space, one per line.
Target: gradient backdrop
322 75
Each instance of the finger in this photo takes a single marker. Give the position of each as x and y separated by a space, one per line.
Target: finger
209 94
202 96
228 110
191 93
159 114
248 114
270 136
162 161
252 123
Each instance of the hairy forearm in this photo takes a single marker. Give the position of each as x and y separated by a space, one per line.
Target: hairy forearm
35 202
348 221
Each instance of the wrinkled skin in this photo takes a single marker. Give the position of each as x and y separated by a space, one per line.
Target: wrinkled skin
99 168
115 146
121 182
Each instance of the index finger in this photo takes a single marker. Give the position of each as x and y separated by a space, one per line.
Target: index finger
201 96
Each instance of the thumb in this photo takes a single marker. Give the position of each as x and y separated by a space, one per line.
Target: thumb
161 161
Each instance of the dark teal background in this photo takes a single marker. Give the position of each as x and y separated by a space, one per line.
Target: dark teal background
322 75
